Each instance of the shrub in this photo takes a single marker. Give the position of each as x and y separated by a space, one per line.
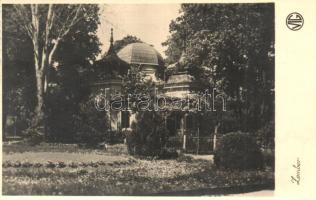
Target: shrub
62 103
148 136
82 172
73 165
37 165
50 164
61 164
238 150
168 153
265 135
26 164
91 124
34 135
268 158
115 137
17 164
184 158
7 163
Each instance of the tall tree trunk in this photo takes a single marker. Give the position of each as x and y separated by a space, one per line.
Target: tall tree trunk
38 120
39 109
44 47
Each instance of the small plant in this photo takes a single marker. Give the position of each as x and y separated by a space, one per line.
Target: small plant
17 164
82 172
101 163
50 164
37 165
183 158
168 153
93 164
61 164
268 157
26 164
7 164
73 165
34 135
238 150
83 164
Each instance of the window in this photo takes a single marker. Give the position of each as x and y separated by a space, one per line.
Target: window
125 119
189 122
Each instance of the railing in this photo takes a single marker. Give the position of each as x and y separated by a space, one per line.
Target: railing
193 144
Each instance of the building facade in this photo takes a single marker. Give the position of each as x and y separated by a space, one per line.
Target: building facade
176 84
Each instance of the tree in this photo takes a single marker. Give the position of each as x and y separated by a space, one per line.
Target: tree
18 73
120 44
230 47
47 26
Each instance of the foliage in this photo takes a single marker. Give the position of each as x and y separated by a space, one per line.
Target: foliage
90 124
149 134
76 49
18 73
265 136
120 44
81 43
116 137
230 47
134 83
269 158
46 26
62 104
238 150
34 136
109 67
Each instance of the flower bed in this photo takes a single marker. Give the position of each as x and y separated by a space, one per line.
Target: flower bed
117 174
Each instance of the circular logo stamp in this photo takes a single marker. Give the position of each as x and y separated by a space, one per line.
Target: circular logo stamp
294 21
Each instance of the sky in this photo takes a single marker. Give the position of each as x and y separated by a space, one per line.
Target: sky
149 22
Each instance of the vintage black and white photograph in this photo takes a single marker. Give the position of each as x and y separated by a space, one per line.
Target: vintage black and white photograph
138 99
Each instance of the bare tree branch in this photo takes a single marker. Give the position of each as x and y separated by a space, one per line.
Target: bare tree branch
23 18
52 52
67 27
35 33
48 28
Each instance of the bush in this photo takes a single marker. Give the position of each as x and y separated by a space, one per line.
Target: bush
168 153
148 136
34 135
90 124
265 135
238 151
116 137
268 158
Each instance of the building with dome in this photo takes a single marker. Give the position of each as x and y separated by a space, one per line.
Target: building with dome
143 55
175 84
110 69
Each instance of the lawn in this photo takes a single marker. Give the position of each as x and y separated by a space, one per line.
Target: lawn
56 169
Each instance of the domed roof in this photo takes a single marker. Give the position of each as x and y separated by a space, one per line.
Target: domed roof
140 53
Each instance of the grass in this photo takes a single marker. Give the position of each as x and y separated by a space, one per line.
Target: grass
59 147
111 172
